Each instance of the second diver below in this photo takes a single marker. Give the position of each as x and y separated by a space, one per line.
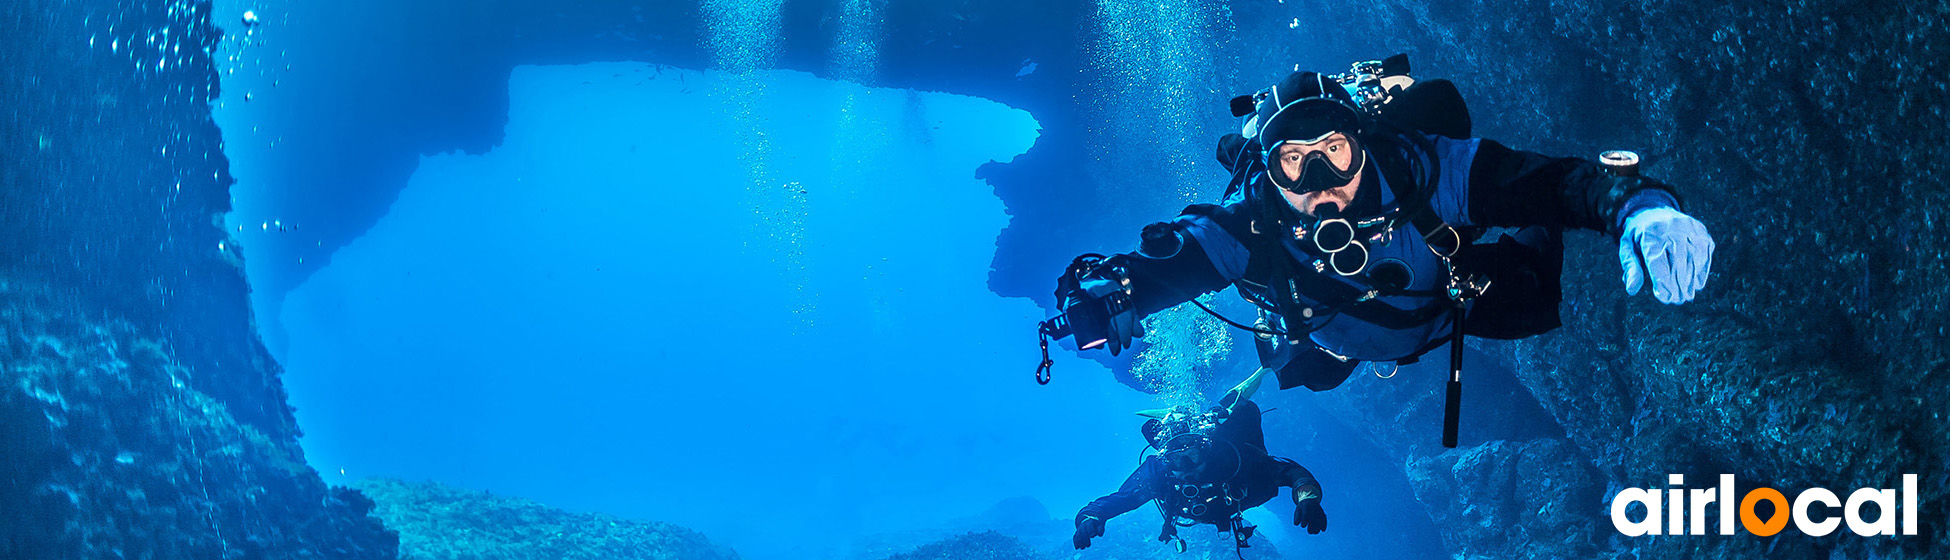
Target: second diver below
1211 467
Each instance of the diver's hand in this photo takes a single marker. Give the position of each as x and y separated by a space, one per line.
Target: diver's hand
1308 514
1088 304
1087 528
1123 327
1671 248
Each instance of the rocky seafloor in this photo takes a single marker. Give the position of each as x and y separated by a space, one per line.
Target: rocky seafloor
438 522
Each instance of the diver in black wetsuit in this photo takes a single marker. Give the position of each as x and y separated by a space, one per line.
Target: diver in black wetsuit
1350 222
1212 466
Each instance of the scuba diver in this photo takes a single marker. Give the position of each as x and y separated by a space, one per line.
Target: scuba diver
1210 468
1351 223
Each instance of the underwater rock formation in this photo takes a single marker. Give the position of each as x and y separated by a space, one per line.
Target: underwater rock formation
113 185
438 522
140 417
112 452
986 545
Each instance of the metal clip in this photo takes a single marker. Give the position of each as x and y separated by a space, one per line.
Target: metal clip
1043 369
1336 356
1391 373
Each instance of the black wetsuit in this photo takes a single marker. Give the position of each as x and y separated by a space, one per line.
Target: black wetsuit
1249 242
1251 477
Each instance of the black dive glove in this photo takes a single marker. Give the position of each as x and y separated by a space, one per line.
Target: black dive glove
1308 514
1087 528
1095 294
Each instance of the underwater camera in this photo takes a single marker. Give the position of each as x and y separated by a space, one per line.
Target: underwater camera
1092 293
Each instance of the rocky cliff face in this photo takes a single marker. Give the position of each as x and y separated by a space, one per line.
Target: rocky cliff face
139 415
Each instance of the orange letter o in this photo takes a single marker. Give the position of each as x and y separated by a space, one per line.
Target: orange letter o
1752 522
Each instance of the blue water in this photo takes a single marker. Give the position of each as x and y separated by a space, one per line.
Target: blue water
609 311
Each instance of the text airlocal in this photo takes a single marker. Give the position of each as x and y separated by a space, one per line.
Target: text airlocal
1682 511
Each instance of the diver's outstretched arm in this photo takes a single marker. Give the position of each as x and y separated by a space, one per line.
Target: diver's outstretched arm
1177 261
1307 496
1297 477
1485 183
1180 260
1138 489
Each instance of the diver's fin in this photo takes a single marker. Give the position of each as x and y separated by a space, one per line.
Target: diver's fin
1246 388
1158 413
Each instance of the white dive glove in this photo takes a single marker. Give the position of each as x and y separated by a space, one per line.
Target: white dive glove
1670 248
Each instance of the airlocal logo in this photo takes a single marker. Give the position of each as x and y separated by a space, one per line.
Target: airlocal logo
1685 507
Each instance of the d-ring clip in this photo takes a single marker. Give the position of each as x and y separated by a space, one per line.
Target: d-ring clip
1391 372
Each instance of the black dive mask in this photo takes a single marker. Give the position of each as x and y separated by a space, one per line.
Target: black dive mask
1317 173
1304 110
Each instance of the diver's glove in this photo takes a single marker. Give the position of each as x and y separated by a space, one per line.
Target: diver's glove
1088 527
1097 300
1307 513
1670 248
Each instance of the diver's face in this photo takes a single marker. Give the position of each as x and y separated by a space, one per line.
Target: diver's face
1340 153
1184 462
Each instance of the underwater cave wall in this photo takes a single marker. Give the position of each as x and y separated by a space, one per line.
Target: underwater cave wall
115 184
1809 136
139 414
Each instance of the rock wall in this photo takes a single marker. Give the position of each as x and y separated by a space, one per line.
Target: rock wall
111 452
113 184
139 415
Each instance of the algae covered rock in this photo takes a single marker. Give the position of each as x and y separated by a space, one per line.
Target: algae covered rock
108 451
438 522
